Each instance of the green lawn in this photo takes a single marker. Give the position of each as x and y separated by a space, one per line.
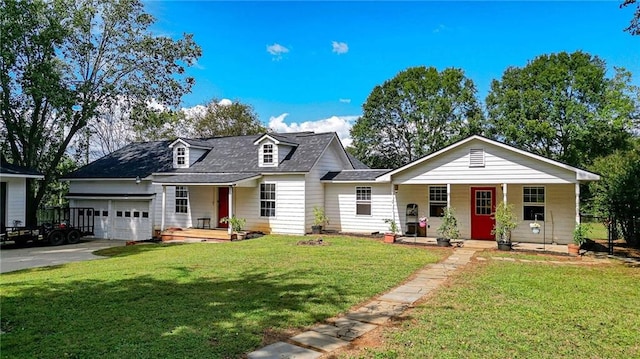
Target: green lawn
524 310
596 230
196 300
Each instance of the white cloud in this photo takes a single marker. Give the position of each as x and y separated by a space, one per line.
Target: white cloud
225 102
440 28
277 50
340 47
338 124
345 100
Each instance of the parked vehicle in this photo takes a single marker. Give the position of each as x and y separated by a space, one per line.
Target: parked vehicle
56 226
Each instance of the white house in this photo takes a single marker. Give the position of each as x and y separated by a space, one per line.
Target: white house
13 194
275 180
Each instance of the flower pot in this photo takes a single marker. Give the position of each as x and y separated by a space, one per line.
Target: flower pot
423 224
389 238
573 249
316 229
504 246
443 242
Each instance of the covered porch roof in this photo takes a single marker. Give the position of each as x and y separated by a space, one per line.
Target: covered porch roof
207 179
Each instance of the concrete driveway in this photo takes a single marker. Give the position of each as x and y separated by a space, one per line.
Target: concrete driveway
13 258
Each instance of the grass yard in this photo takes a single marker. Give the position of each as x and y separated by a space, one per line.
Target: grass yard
196 300
503 309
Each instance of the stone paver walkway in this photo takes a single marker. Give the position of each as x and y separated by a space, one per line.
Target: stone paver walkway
337 333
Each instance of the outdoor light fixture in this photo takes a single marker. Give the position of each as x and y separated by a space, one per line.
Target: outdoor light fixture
138 180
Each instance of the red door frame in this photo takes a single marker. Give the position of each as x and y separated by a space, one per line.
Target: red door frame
482 224
223 206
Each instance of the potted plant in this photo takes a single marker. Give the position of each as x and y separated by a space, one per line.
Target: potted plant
236 224
506 221
579 238
535 227
448 229
390 237
319 219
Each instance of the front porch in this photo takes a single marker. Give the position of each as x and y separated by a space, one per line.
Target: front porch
190 234
485 244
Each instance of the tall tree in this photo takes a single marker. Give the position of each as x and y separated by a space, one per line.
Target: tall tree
634 26
417 112
224 119
616 195
563 106
61 60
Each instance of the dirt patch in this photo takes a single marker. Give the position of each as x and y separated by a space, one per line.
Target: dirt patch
313 242
620 248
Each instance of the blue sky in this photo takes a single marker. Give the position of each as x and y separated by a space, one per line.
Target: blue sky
311 65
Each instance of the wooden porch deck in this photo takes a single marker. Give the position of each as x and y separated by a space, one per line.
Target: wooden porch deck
195 233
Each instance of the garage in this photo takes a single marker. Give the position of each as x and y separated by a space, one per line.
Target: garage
118 218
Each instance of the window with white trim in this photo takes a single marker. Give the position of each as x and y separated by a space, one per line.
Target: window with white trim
533 203
437 200
363 201
267 154
181 156
267 200
182 199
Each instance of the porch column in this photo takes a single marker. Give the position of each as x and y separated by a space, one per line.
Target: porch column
448 195
577 204
110 220
164 206
229 228
504 193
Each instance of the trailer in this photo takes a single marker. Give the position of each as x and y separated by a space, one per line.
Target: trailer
56 226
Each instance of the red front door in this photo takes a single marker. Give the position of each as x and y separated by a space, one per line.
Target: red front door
483 205
223 206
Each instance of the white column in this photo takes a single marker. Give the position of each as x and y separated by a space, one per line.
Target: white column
577 203
504 193
110 220
448 195
164 207
229 228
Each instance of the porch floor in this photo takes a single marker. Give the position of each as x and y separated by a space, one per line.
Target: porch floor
476 244
177 234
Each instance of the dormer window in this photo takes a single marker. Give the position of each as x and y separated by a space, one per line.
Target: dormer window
267 154
181 154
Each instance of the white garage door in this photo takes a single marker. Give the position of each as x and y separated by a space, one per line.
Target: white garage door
100 216
129 220
132 220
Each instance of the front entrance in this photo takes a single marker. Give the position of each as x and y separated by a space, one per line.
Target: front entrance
483 205
223 206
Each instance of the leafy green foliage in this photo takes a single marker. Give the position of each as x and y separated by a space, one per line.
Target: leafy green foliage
634 25
193 301
563 106
506 221
235 119
64 61
616 194
449 227
417 112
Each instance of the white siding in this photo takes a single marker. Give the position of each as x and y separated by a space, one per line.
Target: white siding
560 215
111 187
16 200
340 207
171 219
290 204
315 197
194 155
501 166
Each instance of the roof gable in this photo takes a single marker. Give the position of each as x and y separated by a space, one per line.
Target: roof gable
506 162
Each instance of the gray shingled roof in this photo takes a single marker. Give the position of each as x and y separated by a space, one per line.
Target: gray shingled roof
357 164
137 159
197 142
354 175
235 154
9 168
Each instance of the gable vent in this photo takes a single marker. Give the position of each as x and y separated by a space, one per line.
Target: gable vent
476 157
